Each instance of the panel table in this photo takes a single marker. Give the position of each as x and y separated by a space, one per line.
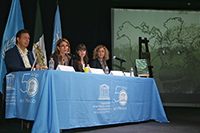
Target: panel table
64 100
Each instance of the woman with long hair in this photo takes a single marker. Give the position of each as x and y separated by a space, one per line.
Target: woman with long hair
81 58
59 56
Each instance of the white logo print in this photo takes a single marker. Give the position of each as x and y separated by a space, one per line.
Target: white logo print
31 86
104 92
9 44
122 95
10 81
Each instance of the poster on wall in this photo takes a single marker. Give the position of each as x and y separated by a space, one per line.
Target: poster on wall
174 45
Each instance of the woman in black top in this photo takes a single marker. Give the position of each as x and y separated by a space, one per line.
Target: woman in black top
100 56
81 58
59 56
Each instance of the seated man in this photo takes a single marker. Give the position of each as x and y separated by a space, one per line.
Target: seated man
19 58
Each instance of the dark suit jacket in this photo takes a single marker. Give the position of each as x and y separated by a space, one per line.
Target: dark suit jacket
95 64
14 61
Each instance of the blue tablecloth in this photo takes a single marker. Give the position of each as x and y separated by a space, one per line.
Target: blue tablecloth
64 100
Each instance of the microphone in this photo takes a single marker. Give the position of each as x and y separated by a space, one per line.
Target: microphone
72 56
116 58
69 54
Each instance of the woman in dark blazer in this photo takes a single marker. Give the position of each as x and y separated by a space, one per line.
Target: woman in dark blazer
59 56
100 56
81 58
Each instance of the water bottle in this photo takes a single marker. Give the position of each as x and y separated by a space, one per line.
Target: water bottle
131 72
37 67
51 64
106 70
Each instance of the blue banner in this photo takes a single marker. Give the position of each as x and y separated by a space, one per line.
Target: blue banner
14 24
57 29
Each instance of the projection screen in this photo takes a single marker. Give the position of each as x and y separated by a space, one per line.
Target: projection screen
174 46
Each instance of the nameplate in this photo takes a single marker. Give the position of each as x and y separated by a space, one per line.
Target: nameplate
96 71
118 73
127 74
65 68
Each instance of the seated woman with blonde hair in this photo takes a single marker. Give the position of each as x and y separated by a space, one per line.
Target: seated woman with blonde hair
60 56
100 56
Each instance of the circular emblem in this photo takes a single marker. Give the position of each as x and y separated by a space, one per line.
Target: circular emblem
123 97
32 87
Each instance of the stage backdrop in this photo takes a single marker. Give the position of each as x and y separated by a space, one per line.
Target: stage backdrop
174 45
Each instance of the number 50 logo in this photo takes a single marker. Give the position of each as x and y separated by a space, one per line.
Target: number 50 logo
31 85
122 95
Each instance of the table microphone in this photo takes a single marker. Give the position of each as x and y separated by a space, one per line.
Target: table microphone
116 58
70 54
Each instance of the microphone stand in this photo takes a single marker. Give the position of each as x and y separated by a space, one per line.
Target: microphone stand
121 61
72 60
121 64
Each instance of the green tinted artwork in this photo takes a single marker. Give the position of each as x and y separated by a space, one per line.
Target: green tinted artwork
174 45
141 66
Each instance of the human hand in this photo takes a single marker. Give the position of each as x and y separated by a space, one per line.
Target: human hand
43 68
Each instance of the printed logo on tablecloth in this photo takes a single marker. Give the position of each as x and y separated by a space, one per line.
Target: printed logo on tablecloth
10 90
104 92
31 84
105 105
10 82
121 98
122 95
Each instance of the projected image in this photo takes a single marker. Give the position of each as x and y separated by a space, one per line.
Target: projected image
174 44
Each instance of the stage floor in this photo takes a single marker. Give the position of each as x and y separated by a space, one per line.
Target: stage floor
182 119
